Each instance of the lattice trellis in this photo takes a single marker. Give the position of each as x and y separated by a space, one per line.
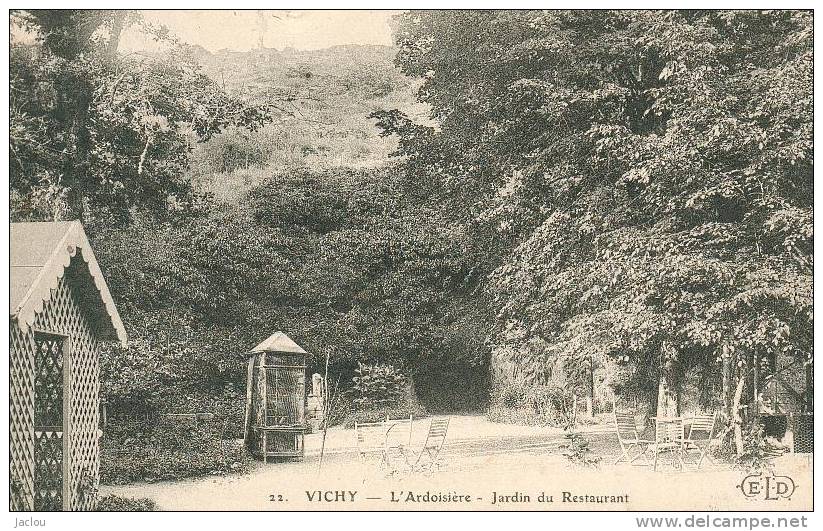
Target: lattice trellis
48 382
260 419
70 313
48 470
803 428
21 419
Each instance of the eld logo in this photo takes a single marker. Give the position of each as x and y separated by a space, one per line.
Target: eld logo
767 487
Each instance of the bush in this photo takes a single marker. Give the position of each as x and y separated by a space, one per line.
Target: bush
228 409
377 386
345 413
577 450
758 450
118 503
166 449
233 149
378 391
512 396
540 405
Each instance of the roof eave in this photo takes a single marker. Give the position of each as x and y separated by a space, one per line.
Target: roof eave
53 270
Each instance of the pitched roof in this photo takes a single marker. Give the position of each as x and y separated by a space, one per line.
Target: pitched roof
38 257
279 342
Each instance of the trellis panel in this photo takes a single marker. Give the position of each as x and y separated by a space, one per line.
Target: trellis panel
21 419
66 313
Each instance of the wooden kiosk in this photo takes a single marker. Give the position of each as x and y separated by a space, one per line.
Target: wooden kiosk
275 421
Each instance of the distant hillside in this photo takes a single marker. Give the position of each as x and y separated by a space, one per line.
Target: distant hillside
323 97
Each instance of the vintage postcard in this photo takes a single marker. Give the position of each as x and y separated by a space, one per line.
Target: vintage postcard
411 260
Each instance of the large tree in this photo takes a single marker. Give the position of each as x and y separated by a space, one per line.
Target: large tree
650 171
94 128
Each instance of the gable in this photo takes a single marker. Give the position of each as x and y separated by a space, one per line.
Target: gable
40 254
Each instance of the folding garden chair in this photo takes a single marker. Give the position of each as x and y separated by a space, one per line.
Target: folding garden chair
370 439
700 437
435 438
402 429
629 438
397 443
669 437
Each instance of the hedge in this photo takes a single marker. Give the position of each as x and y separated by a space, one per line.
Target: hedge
167 449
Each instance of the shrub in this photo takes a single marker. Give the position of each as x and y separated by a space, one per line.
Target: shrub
233 149
577 450
758 451
165 449
345 412
119 503
228 409
377 386
512 396
545 405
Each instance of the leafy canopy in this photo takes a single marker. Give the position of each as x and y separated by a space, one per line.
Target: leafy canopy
647 176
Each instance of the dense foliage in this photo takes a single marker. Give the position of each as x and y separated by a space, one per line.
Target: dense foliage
651 172
327 257
95 133
116 503
377 385
165 449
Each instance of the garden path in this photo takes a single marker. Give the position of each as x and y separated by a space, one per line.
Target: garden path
481 458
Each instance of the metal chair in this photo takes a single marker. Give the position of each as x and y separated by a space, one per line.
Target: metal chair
389 438
700 437
435 439
397 443
370 439
629 438
669 437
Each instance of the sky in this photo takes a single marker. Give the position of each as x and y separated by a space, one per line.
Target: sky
241 29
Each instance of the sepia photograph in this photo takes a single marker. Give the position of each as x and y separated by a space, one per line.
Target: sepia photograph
411 260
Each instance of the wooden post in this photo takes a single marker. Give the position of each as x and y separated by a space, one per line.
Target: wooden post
324 391
737 420
728 392
573 420
249 405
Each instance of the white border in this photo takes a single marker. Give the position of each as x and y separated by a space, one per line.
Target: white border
381 521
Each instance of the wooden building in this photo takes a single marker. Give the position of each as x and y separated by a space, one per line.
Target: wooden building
60 311
785 401
275 421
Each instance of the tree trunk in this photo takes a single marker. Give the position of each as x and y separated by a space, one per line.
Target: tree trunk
737 419
589 406
117 25
728 390
590 397
76 103
648 421
668 398
75 163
